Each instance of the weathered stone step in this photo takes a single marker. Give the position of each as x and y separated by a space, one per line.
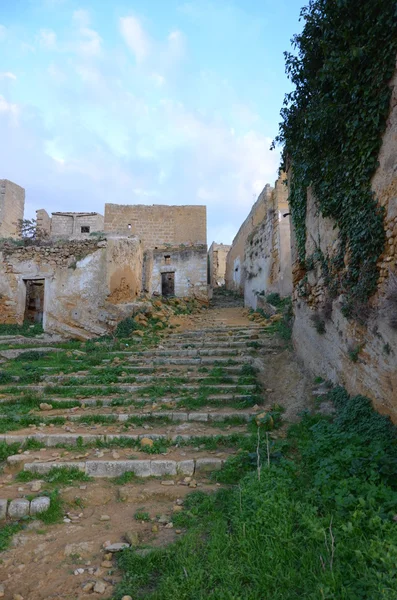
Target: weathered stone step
198 361
51 440
199 416
199 378
141 468
105 401
191 352
132 388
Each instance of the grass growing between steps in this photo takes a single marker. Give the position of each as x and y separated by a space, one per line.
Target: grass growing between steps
317 521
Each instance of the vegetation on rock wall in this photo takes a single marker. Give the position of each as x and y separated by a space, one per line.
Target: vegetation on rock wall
331 131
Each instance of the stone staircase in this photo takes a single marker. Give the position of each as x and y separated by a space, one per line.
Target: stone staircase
178 409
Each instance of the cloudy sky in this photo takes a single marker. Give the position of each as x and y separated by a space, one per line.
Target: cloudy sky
143 101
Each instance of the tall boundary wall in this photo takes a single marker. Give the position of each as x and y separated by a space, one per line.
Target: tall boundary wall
361 357
12 206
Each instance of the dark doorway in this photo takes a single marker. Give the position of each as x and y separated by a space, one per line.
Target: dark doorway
34 307
168 284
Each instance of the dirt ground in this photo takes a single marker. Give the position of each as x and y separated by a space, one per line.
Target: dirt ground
63 561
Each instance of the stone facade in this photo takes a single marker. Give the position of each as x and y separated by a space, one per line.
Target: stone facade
186 267
217 255
267 256
69 225
373 345
234 275
89 285
12 205
259 261
158 225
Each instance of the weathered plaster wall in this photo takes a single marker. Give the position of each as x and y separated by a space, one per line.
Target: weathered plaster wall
12 205
267 256
87 283
158 225
189 264
330 354
217 255
235 277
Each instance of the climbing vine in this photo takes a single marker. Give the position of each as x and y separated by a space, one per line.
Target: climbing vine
332 125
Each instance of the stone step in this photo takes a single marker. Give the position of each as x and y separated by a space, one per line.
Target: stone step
201 379
193 352
52 440
196 416
141 468
197 361
87 390
109 401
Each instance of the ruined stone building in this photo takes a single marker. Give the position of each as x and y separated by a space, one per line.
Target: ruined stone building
259 260
12 206
79 284
69 225
217 255
174 241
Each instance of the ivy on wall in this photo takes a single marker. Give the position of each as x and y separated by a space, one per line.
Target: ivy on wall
332 127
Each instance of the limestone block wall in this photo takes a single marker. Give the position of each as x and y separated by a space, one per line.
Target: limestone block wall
158 224
234 276
217 255
87 283
189 265
373 344
12 206
267 256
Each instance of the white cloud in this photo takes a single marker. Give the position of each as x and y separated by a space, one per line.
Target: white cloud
47 39
9 109
91 45
82 17
135 37
8 75
158 79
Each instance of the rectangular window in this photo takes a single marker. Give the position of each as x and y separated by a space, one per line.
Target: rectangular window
167 259
85 229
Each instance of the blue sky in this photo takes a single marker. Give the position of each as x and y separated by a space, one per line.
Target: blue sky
143 101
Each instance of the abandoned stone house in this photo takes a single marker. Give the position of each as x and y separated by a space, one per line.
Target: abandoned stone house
259 259
81 285
217 255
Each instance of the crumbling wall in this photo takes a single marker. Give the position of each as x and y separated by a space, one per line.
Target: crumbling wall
87 284
267 252
217 256
359 353
158 225
235 276
69 225
12 205
189 265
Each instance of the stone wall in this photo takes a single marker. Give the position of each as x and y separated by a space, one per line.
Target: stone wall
361 357
189 265
69 225
88 285
217 255
234 276
12 205
267 256
158 225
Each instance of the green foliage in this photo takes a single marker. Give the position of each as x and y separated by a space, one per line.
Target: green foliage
6 534
126 327
57 476
140 515
27 329
317 524
332 126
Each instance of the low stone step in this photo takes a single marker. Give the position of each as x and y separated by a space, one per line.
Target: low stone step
134 389
106 401
141 468
216 417
50 440
195 361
